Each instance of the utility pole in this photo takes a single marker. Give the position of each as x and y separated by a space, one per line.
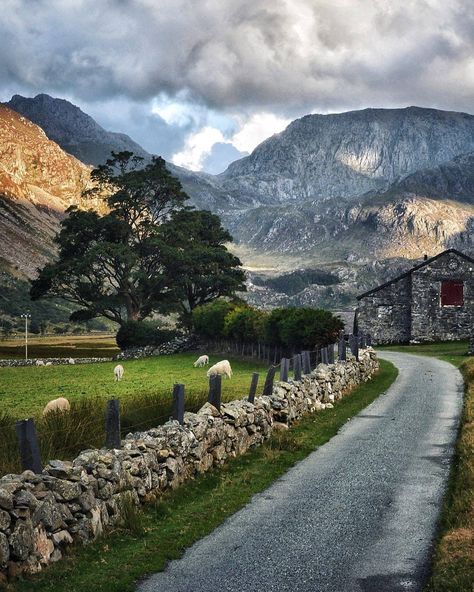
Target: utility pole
26 316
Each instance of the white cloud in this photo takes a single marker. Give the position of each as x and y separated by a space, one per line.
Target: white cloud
197 147
257 128
251 132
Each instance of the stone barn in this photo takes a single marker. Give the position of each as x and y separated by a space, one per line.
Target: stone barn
433 301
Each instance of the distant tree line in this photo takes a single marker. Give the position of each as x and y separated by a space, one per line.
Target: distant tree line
290 328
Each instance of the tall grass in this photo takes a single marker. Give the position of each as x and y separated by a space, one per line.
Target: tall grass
63 435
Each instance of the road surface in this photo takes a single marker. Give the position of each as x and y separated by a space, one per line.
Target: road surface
357 515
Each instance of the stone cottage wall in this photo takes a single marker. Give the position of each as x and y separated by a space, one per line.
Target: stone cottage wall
70 502
385 314
430 320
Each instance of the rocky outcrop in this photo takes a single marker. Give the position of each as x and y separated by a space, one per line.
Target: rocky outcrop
76 132
348 154
40 515
38 181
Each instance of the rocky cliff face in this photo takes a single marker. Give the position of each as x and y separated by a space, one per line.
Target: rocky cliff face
80 135
75 131
38 181
348 154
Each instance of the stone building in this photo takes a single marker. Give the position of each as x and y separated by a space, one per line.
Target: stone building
433 301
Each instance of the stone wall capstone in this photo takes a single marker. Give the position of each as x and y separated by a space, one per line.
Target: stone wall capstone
74 501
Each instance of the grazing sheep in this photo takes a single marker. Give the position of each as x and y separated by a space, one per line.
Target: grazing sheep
118 372
60 404
39 363
71 361
49 364
201 361
222 368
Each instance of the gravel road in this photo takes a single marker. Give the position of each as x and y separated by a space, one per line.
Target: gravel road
357 515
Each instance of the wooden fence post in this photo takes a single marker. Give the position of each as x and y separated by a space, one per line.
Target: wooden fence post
253 387
28 445
354 345
178 403
307 362
297 367
112 424
268 386
215 390
284 368
341 349
331 353
324 355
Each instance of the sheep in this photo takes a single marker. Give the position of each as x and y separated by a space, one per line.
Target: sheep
39 363
61 404
222 368
201 361
71 361
118 372
49 364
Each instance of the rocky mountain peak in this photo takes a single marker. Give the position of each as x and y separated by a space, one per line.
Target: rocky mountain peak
75 131
348 154
38 181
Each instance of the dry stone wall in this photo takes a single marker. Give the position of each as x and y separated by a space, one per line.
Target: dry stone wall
71 502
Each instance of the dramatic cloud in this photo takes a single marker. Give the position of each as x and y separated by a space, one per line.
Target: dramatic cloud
186 64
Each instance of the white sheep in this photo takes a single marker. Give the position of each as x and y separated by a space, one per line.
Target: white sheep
71 361
49 364
118 372
61 404
201 361
39 363
222 368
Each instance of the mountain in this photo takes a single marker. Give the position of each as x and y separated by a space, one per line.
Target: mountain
38 181
80 135
348 154
75 131
350 196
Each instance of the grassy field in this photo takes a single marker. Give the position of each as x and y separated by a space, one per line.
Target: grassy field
25 390
74 346
164 529
145 395
453 559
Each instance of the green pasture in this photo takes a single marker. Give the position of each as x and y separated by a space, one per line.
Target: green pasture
25 390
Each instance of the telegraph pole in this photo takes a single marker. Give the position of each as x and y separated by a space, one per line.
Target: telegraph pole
26 316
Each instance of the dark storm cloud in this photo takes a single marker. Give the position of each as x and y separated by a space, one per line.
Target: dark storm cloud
282 55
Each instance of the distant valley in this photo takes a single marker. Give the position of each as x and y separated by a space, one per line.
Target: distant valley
334 203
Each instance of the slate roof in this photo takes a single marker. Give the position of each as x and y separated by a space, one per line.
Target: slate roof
415 268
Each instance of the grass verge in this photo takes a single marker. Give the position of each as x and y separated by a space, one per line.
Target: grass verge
175 521
452 568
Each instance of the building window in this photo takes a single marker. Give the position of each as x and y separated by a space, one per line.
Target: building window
452 293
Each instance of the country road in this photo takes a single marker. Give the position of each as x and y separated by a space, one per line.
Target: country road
357 515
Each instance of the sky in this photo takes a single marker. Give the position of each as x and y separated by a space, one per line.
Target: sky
203 82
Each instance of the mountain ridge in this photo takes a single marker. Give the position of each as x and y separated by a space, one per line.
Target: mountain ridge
339 190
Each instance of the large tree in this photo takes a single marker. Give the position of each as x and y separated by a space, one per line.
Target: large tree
124 264
199 261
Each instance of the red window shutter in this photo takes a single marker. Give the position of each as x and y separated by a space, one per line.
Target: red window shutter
452 293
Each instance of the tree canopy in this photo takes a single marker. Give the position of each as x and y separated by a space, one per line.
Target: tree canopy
148 252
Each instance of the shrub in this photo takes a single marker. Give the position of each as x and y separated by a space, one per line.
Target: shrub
272 326
142 333
245 324
303 328
208 319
